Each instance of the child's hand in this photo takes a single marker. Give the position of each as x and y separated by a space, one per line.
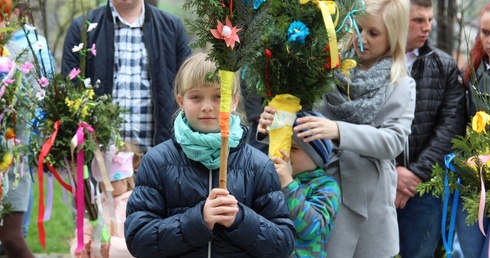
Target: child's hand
88 251
266 119
283 168
220 207
104 250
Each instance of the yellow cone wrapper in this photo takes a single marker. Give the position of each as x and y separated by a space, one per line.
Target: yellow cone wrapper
281 129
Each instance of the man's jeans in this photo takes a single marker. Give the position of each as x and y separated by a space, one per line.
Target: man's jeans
420 226
470 238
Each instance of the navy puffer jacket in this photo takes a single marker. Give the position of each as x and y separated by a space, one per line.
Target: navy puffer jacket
164 212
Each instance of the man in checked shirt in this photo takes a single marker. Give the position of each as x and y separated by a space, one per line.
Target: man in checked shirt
139 50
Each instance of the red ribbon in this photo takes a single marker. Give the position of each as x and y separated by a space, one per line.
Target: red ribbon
40 171
59 179
268 55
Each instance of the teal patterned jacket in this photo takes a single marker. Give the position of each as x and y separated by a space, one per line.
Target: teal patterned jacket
313 199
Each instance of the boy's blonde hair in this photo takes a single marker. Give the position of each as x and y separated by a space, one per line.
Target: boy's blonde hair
193 73
396 15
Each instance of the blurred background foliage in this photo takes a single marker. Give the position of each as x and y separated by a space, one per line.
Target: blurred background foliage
455 21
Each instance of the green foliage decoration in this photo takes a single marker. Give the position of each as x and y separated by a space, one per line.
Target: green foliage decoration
467 170
242 14
301 69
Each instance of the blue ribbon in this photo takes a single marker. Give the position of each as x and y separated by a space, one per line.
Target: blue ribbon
39 116
349 21
448 241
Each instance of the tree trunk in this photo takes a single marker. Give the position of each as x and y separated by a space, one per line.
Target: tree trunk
446 15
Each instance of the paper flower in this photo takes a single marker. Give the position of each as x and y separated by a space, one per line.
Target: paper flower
8 81
43 82
226 32
9 134
38 45
87 82
40 95
257 3
93 50
297 32
4 52
6 161
5 64
117 176
29 27
77 48
480 120
26 67
91 26
74 73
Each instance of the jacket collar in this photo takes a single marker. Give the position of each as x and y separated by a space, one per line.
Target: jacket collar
426 49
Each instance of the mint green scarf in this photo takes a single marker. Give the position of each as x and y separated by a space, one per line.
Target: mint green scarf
205 147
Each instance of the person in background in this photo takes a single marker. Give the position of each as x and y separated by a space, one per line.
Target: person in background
439 117
123 163
253 109
19 182
313 197
477 81
139 50
27 39
370 114
177 209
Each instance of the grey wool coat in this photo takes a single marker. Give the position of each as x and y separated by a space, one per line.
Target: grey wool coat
363 164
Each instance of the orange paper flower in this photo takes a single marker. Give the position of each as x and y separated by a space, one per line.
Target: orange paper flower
226 32
10 134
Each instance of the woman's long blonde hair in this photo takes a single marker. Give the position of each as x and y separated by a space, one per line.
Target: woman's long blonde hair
396 15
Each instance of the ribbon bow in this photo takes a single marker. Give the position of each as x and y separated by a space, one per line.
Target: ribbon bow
349 22
328 9
345 66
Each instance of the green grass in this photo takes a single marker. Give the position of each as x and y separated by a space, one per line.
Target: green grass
59 229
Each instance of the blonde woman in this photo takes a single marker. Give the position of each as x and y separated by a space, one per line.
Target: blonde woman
369 123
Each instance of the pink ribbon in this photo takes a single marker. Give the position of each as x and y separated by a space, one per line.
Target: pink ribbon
80 177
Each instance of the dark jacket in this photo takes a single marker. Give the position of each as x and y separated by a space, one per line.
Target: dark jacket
440 111
167 46
164 212
479 90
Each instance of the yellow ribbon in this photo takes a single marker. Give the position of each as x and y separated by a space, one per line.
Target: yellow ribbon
227 78
328 9
345 66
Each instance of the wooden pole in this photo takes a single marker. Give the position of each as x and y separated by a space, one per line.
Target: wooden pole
223 163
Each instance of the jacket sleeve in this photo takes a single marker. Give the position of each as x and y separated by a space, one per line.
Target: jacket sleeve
148 230
182 40
71 59
265 228
313 210
387 138
451 122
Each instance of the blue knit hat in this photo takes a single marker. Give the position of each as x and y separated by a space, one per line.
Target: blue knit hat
318 150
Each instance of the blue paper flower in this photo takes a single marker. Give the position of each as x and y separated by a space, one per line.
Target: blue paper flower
257 3
297 32
117 176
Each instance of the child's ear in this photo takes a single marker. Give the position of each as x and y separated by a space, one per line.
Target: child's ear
180 101
234 104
